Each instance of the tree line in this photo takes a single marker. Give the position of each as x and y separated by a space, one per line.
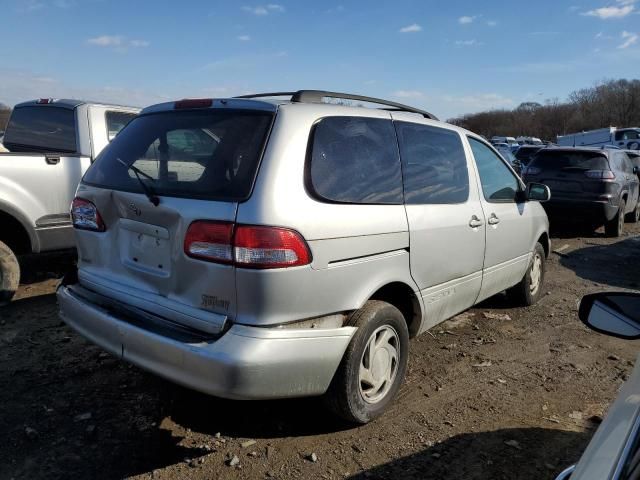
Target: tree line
609 103
4 116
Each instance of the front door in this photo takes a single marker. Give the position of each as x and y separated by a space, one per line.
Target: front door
509 226
446 223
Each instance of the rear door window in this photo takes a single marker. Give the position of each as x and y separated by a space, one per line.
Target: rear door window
434 165
204 154
116 122
499 184
355 160
41 129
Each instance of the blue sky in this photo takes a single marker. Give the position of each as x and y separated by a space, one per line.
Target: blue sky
450 57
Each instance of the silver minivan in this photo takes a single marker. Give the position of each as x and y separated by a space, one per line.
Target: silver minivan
255 248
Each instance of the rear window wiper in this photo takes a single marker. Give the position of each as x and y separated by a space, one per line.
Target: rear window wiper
147 189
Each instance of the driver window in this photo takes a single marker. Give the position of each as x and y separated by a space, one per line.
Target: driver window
499 184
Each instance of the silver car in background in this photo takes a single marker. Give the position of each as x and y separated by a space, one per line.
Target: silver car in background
255 248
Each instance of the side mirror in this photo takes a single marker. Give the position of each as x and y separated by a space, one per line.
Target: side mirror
538 192
614 313
635 170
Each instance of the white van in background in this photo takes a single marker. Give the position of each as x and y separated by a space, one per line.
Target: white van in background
624 138
510 140
529 141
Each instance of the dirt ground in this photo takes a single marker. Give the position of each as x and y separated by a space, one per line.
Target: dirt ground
496 393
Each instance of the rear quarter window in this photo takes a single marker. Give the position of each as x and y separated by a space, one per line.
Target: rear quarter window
41 129
354 160
116 121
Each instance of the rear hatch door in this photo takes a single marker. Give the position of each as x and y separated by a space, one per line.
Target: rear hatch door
196 164
565 172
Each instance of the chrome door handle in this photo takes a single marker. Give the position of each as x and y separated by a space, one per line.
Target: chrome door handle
475 222
493 219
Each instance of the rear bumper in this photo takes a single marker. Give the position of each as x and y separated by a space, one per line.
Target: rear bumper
597 212
243 363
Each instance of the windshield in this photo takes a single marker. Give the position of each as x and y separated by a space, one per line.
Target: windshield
558 160
41 129
206 154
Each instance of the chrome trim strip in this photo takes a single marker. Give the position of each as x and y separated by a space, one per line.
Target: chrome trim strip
566 473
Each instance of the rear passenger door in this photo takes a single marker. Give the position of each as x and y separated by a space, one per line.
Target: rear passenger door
446 224
509 222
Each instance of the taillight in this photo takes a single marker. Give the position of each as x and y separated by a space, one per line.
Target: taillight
246 246
269 247
209 241
600 174
85 215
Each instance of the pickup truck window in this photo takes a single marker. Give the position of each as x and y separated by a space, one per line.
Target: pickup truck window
116 122
41 129
204 154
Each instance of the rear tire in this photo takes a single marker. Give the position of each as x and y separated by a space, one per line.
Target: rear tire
614 227
529 290
9 274
373 366
633 217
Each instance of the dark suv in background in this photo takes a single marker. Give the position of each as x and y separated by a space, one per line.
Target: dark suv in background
592 186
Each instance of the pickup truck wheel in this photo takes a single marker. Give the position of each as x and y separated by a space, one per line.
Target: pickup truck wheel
374 365
9 274
634 216
529 290
613 228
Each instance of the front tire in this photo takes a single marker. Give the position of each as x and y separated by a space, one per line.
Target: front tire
529 290
373 366
613 228
9 274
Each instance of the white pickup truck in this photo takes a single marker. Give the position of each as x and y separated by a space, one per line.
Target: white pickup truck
51 143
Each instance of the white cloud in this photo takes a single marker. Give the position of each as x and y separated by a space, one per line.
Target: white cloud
118 42
408 94
602 36
244 38
414 27
262 10
28 6
338 9
139 43
107 41
629 39
492 23
606 13
467 43
481 101
466 19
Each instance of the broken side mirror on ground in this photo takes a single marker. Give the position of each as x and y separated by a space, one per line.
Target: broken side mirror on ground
612 313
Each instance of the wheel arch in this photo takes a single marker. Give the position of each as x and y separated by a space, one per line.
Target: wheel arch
404 298
543 240
15 234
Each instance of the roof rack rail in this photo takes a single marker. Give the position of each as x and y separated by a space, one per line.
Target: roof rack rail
316 96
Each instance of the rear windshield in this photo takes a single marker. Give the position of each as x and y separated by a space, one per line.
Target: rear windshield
559 160
41 129
209 154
